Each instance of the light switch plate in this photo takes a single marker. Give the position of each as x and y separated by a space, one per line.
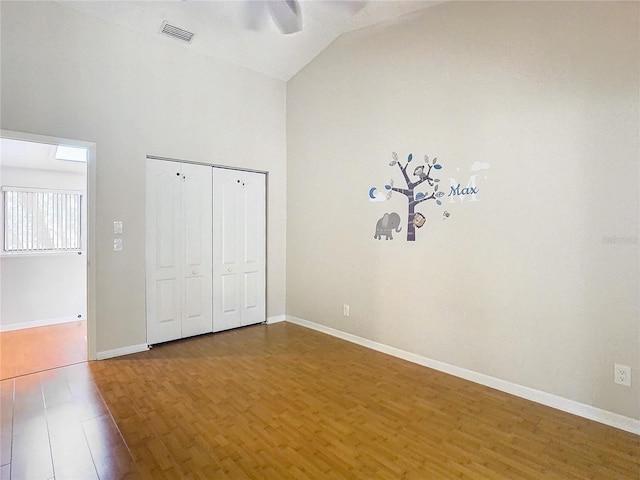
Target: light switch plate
117 244
117 227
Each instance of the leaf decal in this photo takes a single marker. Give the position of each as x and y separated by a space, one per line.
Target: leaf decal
436 180
435 160
392 163
410 157
437 167
426 159
436 189
394 155
438 202
388 187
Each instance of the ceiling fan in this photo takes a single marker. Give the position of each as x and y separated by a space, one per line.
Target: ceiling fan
287 14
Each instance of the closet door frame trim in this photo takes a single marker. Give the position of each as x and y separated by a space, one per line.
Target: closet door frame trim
214 165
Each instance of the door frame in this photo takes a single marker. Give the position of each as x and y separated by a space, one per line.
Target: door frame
92 340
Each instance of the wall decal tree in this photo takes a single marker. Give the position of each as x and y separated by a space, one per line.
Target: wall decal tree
423 174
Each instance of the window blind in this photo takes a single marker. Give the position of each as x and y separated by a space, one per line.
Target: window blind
38 220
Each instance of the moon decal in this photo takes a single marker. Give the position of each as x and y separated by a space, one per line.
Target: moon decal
372 193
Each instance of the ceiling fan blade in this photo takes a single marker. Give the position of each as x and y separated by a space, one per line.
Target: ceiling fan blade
351 6
286 15
255 13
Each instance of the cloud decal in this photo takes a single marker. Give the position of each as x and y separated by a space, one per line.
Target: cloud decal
477 166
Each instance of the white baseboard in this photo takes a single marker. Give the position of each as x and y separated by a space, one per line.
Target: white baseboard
38 323
276 319
118 352
570 406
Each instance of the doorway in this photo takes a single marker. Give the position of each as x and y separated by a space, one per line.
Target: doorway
46 318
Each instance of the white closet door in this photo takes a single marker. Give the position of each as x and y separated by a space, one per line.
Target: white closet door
252 230
238 248
196 255
179 257
163 252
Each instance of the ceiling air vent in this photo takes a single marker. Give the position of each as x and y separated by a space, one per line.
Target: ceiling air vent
176 32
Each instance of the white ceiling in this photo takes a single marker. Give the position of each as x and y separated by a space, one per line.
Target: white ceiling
221 27
40 156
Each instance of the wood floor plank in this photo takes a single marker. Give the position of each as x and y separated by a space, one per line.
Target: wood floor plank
6 420
55 388
110 454
31 452
69 449
281 401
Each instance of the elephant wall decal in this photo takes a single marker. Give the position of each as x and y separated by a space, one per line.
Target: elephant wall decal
386 224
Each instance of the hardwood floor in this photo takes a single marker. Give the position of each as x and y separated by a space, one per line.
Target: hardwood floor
281 401
285 402
54 424
36 349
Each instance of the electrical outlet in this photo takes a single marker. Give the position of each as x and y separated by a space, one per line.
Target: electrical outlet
622 375
345 310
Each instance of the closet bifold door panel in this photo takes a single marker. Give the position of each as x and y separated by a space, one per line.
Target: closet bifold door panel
239 225
178 250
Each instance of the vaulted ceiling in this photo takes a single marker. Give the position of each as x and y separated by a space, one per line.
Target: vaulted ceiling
242 32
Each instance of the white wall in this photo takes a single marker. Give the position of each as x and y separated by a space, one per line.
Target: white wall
536 282
65 74
38 289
